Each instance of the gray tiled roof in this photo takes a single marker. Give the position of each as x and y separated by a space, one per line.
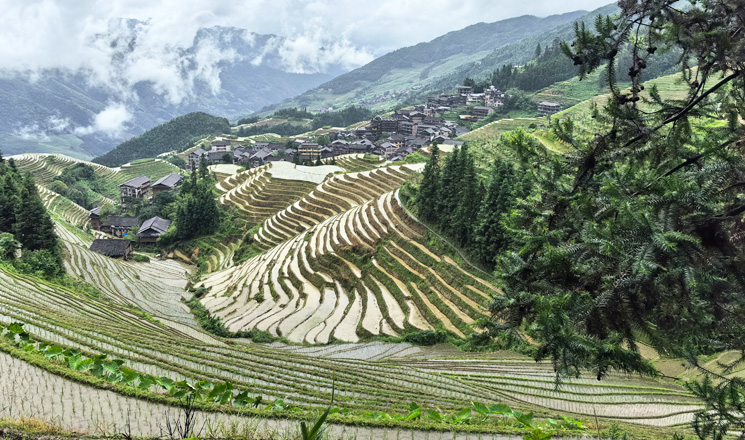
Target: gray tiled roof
156 224
121 221
110 247
137 182
170 180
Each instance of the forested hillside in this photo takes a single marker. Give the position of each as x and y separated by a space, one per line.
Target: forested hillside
25 225
631 233
173 135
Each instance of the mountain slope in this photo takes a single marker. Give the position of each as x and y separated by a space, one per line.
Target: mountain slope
226 71
474 51
166 137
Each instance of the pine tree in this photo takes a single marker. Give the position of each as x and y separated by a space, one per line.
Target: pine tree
468 199
429 189
447 199
34 228
490 235
538 50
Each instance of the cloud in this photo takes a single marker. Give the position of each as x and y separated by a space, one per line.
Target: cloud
110 122
125 43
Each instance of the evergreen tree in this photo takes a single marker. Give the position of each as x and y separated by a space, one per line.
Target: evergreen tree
447 200
468 199
490 234
8 199
538 51
34 228
429 189
637 232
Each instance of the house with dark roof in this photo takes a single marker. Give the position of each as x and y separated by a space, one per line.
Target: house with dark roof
137 188
309 151
195 158
95 218
546 108
222 146
481 111
119 225
167 183
112 247
152 229
387 149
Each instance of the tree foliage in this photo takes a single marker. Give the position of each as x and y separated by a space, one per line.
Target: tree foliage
176 134
636 236
25 222
196 210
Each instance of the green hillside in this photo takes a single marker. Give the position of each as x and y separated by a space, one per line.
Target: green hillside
409 70
411 73
173 135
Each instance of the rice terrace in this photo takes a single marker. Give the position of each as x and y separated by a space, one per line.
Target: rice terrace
525 229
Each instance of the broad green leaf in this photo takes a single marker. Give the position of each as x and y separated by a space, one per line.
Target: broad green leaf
85 365
146 381
16 328
111 367
500 408
481 408
129 375
242 399
166 383
413 415
464 414
53 351
434 415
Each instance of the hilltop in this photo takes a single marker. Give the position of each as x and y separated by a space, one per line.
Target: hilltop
175 134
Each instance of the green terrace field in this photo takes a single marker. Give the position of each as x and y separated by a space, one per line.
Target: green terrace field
339 269
45 167
365 377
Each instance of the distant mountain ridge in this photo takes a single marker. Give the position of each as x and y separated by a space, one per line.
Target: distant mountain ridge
474 51
56 111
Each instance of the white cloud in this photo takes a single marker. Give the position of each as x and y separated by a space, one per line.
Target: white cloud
111 121
93 37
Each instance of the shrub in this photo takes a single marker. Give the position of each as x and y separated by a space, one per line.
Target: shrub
426 337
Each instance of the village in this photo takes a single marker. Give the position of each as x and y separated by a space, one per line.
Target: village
393 136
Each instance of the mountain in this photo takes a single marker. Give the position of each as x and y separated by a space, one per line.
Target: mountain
226 71
413 72
174 134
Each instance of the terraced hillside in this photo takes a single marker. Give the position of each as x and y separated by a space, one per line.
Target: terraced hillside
356 162
362 272
344 261
45 167
331 197
370 377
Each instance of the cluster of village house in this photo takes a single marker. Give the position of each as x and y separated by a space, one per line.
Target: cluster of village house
394 137
120 225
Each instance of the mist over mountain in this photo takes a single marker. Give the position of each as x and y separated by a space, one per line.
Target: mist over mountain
411 73
86 109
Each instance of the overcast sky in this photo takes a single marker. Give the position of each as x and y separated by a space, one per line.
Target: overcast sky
47 32
37 35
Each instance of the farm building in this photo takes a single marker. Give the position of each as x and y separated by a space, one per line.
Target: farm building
114 248
167 183
137 188
119 225
546 108
151 229
95 218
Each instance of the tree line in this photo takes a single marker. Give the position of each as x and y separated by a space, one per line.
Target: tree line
176 134
452 198
25 225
